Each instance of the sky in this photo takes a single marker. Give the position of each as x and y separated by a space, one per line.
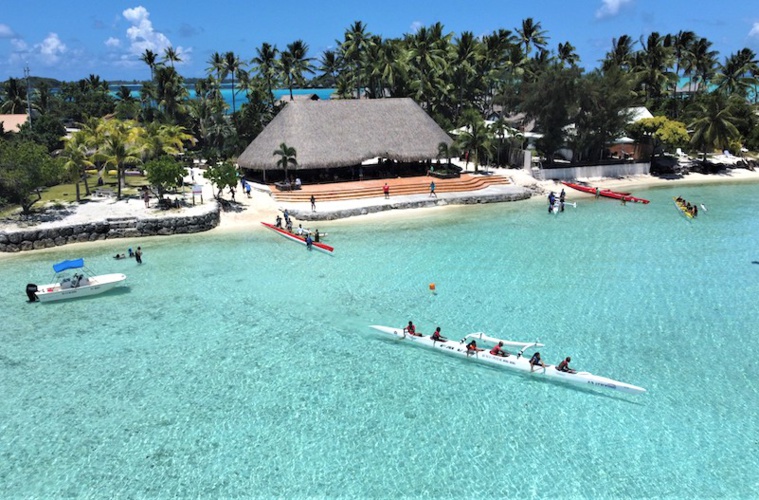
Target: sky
69 40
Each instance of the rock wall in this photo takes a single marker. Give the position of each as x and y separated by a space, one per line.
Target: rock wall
131 227
513 194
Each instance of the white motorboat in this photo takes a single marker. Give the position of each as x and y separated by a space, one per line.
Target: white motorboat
82 283
515 361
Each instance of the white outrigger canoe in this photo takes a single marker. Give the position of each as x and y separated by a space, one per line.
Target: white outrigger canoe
78 285
516 361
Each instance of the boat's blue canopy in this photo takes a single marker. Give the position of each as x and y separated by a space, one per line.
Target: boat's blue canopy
68 264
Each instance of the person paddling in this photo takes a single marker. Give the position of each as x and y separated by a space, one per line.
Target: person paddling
437 337
564 366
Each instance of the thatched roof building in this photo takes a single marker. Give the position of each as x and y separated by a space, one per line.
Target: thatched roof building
344 133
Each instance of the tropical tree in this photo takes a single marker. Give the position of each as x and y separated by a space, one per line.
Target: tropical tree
13 97
151 59
736 76
329 65
77 159
24 168
232 67
294 62
170 54
713 124
621 54
426 60
266 65
567 55
122 147
531 34
475 140
353 49
703 61
165 173
222 175
653 67
287 157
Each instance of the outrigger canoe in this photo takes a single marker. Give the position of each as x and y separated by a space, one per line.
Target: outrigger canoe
606 193
683 209
516 362
299 239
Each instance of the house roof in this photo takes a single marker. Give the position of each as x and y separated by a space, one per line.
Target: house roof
341 133
12 123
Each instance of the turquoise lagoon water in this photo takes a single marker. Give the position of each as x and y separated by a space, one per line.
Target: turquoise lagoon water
242 365
240 97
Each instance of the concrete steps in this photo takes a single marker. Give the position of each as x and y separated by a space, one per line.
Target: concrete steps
373 188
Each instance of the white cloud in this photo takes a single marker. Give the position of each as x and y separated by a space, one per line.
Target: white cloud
113 42
415 26
142 36
50 49
6 31
611 8
754 30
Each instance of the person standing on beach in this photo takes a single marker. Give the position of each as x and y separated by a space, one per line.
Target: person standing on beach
432 189
138 255
386 190
313 203
146 196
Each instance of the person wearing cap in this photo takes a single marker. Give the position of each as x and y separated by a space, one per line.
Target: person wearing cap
564 366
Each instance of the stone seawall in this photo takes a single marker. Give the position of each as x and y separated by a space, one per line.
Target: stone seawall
511 193
110 228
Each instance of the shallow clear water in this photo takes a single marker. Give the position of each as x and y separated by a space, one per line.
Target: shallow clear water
242 365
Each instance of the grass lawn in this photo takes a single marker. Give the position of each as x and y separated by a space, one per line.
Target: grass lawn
66 193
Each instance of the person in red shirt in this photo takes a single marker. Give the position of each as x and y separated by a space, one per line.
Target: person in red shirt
564 366
498 351
411 330
386 190
437 337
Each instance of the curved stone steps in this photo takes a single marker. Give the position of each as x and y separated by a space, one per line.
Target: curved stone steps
373 188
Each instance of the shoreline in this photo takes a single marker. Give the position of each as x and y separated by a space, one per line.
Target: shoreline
247 213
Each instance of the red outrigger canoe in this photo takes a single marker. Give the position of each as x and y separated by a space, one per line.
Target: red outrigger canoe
299 239
606 193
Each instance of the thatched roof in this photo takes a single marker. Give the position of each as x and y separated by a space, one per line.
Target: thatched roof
342 133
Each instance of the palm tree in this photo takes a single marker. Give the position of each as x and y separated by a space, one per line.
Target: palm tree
330 64
13 97
171 55
170 92
353 50
654 66
77 160
475 139
714 125
567 54
736 75
232 66
621 54
266 65
426 59
531 34
293 63
703 61
149 57
287 157
122 147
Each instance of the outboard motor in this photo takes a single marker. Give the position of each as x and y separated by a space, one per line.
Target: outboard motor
31 292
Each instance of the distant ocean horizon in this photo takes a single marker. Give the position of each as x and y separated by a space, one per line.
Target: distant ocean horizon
240 98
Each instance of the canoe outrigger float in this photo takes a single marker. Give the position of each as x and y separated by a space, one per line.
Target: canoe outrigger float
516 361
